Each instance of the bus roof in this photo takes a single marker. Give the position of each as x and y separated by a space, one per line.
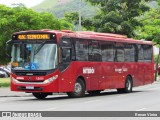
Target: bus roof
89 35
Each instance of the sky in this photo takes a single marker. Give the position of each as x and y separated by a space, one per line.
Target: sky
156 50
28 3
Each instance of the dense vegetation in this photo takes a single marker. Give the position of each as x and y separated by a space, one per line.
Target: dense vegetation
150 29
118 16
20 18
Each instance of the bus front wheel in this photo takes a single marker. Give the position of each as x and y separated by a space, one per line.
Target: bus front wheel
79 89
40 95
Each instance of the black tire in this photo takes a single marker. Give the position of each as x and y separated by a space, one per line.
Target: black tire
120 90
40 95
128 86
94 92
79 89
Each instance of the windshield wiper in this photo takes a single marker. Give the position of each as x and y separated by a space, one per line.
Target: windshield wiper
39 48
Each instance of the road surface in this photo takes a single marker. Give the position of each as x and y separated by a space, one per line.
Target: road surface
144 98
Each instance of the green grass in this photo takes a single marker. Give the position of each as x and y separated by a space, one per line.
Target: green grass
4 82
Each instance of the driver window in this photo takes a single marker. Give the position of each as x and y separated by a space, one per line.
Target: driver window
65 52
66 55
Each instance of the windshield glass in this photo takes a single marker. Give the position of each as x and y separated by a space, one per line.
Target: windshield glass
34 56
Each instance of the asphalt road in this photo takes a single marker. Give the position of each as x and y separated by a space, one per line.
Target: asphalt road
144 98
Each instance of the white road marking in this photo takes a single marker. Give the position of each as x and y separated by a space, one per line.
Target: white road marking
141 109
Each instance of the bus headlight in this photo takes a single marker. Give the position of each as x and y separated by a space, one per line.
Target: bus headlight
49 80
14 80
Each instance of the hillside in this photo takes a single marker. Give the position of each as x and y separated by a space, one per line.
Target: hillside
59 7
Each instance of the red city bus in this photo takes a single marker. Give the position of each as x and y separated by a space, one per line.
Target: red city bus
48 61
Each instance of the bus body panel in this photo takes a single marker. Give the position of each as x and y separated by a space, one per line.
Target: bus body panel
45 87
104 77
97 75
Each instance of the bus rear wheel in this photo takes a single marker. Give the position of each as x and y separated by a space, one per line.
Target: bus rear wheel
40 95
128 86
79 89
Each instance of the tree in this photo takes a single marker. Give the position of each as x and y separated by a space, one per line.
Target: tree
150 29
72 17
118 16
20 18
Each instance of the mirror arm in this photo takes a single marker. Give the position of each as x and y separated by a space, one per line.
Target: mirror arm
7 44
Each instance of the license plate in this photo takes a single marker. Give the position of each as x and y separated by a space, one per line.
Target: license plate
30 87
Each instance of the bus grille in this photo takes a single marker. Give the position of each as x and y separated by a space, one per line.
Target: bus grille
31 73
31 81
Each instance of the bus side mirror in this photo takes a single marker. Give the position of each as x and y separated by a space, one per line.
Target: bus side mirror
8 48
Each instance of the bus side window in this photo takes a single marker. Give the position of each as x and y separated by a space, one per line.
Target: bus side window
94 51
66 55
119 52
147 51
81 48
65 52
108 52
136 52
129 53
140 53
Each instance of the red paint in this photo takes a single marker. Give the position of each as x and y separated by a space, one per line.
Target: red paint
107 75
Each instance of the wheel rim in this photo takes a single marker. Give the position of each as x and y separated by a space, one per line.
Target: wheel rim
128 85
77 88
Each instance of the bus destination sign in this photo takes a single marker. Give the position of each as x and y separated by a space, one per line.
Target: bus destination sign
34 37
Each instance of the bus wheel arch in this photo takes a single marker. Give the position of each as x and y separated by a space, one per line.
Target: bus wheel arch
128 85
129 75
79 88
83 79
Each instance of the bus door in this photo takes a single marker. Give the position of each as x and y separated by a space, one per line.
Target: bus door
108 56
118 82
140 73
148 73
65 50
147 51
95 59
141 66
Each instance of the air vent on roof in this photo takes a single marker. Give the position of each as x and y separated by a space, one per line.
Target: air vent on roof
102 34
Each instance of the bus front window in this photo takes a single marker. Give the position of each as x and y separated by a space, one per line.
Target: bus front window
34 56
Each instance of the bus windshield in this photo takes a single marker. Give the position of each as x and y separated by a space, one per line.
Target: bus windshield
42 56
